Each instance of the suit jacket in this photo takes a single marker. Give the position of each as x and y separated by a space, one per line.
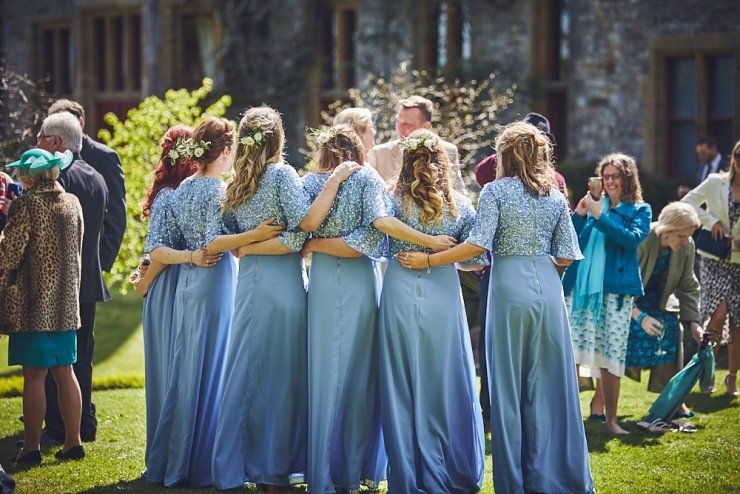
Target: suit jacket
681 279
712 194
386 158
108 164
88 185
40 255
706 169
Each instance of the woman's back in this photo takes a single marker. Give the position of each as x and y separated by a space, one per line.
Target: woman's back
520 223
196 207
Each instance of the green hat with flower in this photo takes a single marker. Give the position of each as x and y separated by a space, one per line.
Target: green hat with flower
38 160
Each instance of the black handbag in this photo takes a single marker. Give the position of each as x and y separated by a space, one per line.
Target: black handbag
706 245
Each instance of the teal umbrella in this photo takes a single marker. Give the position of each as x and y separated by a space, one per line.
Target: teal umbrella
700 368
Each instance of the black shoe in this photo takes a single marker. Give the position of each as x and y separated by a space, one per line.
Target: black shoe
73 453
87 436
30 458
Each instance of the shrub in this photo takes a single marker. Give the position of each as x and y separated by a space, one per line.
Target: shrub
136 139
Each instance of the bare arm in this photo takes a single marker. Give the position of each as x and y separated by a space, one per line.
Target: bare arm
400 230
264 231
322 204
200 257
420 260
272 247
143 278
333 246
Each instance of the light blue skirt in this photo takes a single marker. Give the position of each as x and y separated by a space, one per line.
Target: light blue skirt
538 442
345 445
431 415
158 323
262 427
182 449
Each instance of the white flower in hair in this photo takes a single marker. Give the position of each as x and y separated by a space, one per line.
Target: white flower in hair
173 154
254 136
322 135
424 140
198 151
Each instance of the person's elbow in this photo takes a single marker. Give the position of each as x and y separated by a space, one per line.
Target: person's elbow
309 225
383 224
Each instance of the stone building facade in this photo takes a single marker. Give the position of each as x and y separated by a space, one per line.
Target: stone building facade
646 77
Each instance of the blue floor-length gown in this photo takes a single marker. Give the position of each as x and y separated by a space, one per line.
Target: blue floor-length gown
345 444
538 442
157 317
182 450
432 421
262 426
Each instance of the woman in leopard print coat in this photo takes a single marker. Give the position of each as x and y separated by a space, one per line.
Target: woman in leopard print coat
40 257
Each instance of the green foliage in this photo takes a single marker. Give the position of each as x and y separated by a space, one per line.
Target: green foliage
466 111
136 140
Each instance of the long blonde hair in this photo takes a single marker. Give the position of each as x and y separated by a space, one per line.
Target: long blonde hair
424 178
524 151
251 160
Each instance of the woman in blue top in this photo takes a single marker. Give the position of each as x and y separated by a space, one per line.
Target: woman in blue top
432 421
262 432
345 446
605 283
182 447
158 282
537 436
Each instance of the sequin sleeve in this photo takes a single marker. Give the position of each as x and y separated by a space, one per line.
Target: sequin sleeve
214 218
564 238
368 241
163 230
229 222
486 219
467 220
293 198
373 199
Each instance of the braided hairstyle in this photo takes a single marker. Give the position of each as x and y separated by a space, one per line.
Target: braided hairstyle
344 144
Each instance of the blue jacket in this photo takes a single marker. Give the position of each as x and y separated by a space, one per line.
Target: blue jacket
625 226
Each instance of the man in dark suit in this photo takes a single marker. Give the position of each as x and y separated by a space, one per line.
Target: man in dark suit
108 164
61 132
710 159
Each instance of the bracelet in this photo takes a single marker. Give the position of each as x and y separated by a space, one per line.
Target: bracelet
640 318
429 265
191 257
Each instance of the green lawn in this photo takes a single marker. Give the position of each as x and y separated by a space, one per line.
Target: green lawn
705 462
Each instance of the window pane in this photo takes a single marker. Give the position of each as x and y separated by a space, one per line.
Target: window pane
722 131
99 36
682 88
721 86
682 149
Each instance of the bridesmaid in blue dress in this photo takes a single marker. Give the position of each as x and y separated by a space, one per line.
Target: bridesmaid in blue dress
431 415
158 282
261 432
182 447
345 445
538 441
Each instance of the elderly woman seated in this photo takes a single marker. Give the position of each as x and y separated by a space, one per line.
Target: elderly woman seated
40 257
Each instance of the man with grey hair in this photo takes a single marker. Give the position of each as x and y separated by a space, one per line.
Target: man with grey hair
62 132
414 112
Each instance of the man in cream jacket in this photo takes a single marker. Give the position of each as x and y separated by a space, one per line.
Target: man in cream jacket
414 113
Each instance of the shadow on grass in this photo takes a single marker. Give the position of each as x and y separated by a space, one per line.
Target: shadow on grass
704 403
598 437
140 485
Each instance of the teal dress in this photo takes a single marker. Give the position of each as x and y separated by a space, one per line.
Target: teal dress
641 347
43 350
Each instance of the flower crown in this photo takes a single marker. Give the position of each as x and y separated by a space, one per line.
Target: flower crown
322 135
426 140
254 136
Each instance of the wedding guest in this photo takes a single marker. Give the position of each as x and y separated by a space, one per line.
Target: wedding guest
158 282
537 437
40 259
360 119
601 288
717 202
182 447
345 448
266 363
414 112
432 421
666 259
